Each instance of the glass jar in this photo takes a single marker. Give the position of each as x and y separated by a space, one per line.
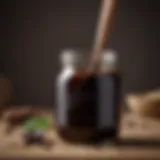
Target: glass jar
76 100
86 102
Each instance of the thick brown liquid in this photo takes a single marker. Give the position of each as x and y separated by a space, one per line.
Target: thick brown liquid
85 93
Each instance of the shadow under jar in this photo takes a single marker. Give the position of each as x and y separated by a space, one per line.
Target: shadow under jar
86 110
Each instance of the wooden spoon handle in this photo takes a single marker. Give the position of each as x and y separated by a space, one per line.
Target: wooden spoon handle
102 31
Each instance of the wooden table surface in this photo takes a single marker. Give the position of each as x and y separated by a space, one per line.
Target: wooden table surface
132 127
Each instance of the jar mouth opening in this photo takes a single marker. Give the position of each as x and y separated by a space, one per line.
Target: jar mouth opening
74 58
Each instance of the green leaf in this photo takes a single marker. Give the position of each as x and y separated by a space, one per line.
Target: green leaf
34 124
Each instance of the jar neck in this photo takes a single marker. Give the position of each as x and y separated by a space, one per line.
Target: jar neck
70 66
70 59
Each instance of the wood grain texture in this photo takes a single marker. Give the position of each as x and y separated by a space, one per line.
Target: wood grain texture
132 127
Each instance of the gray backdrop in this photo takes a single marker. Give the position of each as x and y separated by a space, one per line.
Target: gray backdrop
33 32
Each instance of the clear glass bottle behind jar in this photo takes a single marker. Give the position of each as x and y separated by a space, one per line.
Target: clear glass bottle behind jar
109 86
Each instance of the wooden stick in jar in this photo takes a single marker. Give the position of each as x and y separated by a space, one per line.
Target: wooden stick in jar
102 31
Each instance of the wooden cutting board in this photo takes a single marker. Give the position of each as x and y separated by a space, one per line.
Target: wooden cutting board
132 127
